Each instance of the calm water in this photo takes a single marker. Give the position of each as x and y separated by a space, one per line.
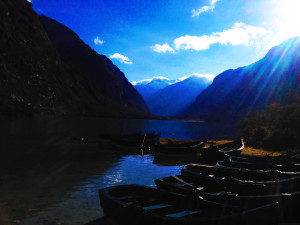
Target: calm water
67 192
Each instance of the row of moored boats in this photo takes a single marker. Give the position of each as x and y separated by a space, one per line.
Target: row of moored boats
237 190
150 143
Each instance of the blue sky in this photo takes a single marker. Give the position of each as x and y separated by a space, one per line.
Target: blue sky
175 38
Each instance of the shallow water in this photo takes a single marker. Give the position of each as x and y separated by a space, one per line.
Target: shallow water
66 192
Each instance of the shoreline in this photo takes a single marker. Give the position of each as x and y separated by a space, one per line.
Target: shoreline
247 151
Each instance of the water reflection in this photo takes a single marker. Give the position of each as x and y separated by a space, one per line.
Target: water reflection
44 128
77 200
33 189
39 191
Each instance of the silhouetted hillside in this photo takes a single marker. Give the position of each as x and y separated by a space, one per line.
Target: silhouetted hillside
31 71
234 93
276 127
96 73
39 75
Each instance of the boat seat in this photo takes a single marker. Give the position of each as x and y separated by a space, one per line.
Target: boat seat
183 213
179 185
133 200
158 206
126 197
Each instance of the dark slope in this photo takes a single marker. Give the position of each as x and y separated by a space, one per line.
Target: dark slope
96 73
30 69
174 98
36 76
234 93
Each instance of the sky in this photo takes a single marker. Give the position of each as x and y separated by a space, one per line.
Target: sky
175 38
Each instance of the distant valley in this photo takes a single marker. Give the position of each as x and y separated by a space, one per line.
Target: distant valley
169 98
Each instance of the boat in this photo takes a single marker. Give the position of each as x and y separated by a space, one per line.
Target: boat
188 185
294 157
221 193
217 152
189 150
210 170
134 141
213 175
238 196
134 204
288 166
281 169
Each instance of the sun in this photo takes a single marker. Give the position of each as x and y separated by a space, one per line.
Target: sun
288 14
282 18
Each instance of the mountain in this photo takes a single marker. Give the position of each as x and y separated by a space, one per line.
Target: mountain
96 73
30 68
46 68
148 87
174 98
234 93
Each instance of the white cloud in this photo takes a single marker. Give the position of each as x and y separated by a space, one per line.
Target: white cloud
239 34
211 7
98 41
163 48
121 58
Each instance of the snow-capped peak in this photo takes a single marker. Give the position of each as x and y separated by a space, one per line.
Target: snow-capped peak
147 81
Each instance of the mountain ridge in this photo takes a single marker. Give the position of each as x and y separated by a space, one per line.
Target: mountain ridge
150 86
36 78
174 98
234 93
94 71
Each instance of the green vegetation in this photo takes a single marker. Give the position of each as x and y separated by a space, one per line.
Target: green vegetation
276 127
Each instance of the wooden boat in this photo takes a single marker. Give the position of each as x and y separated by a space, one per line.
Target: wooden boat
239 196
228 195
184 184
214 175
217 152
179 151
132 141
287 166
208 170
284 168
133 204
295 157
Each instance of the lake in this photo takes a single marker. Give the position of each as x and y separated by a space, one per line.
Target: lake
66 191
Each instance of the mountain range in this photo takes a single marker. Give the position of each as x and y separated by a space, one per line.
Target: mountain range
46 68
150 86
174 98
234 93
